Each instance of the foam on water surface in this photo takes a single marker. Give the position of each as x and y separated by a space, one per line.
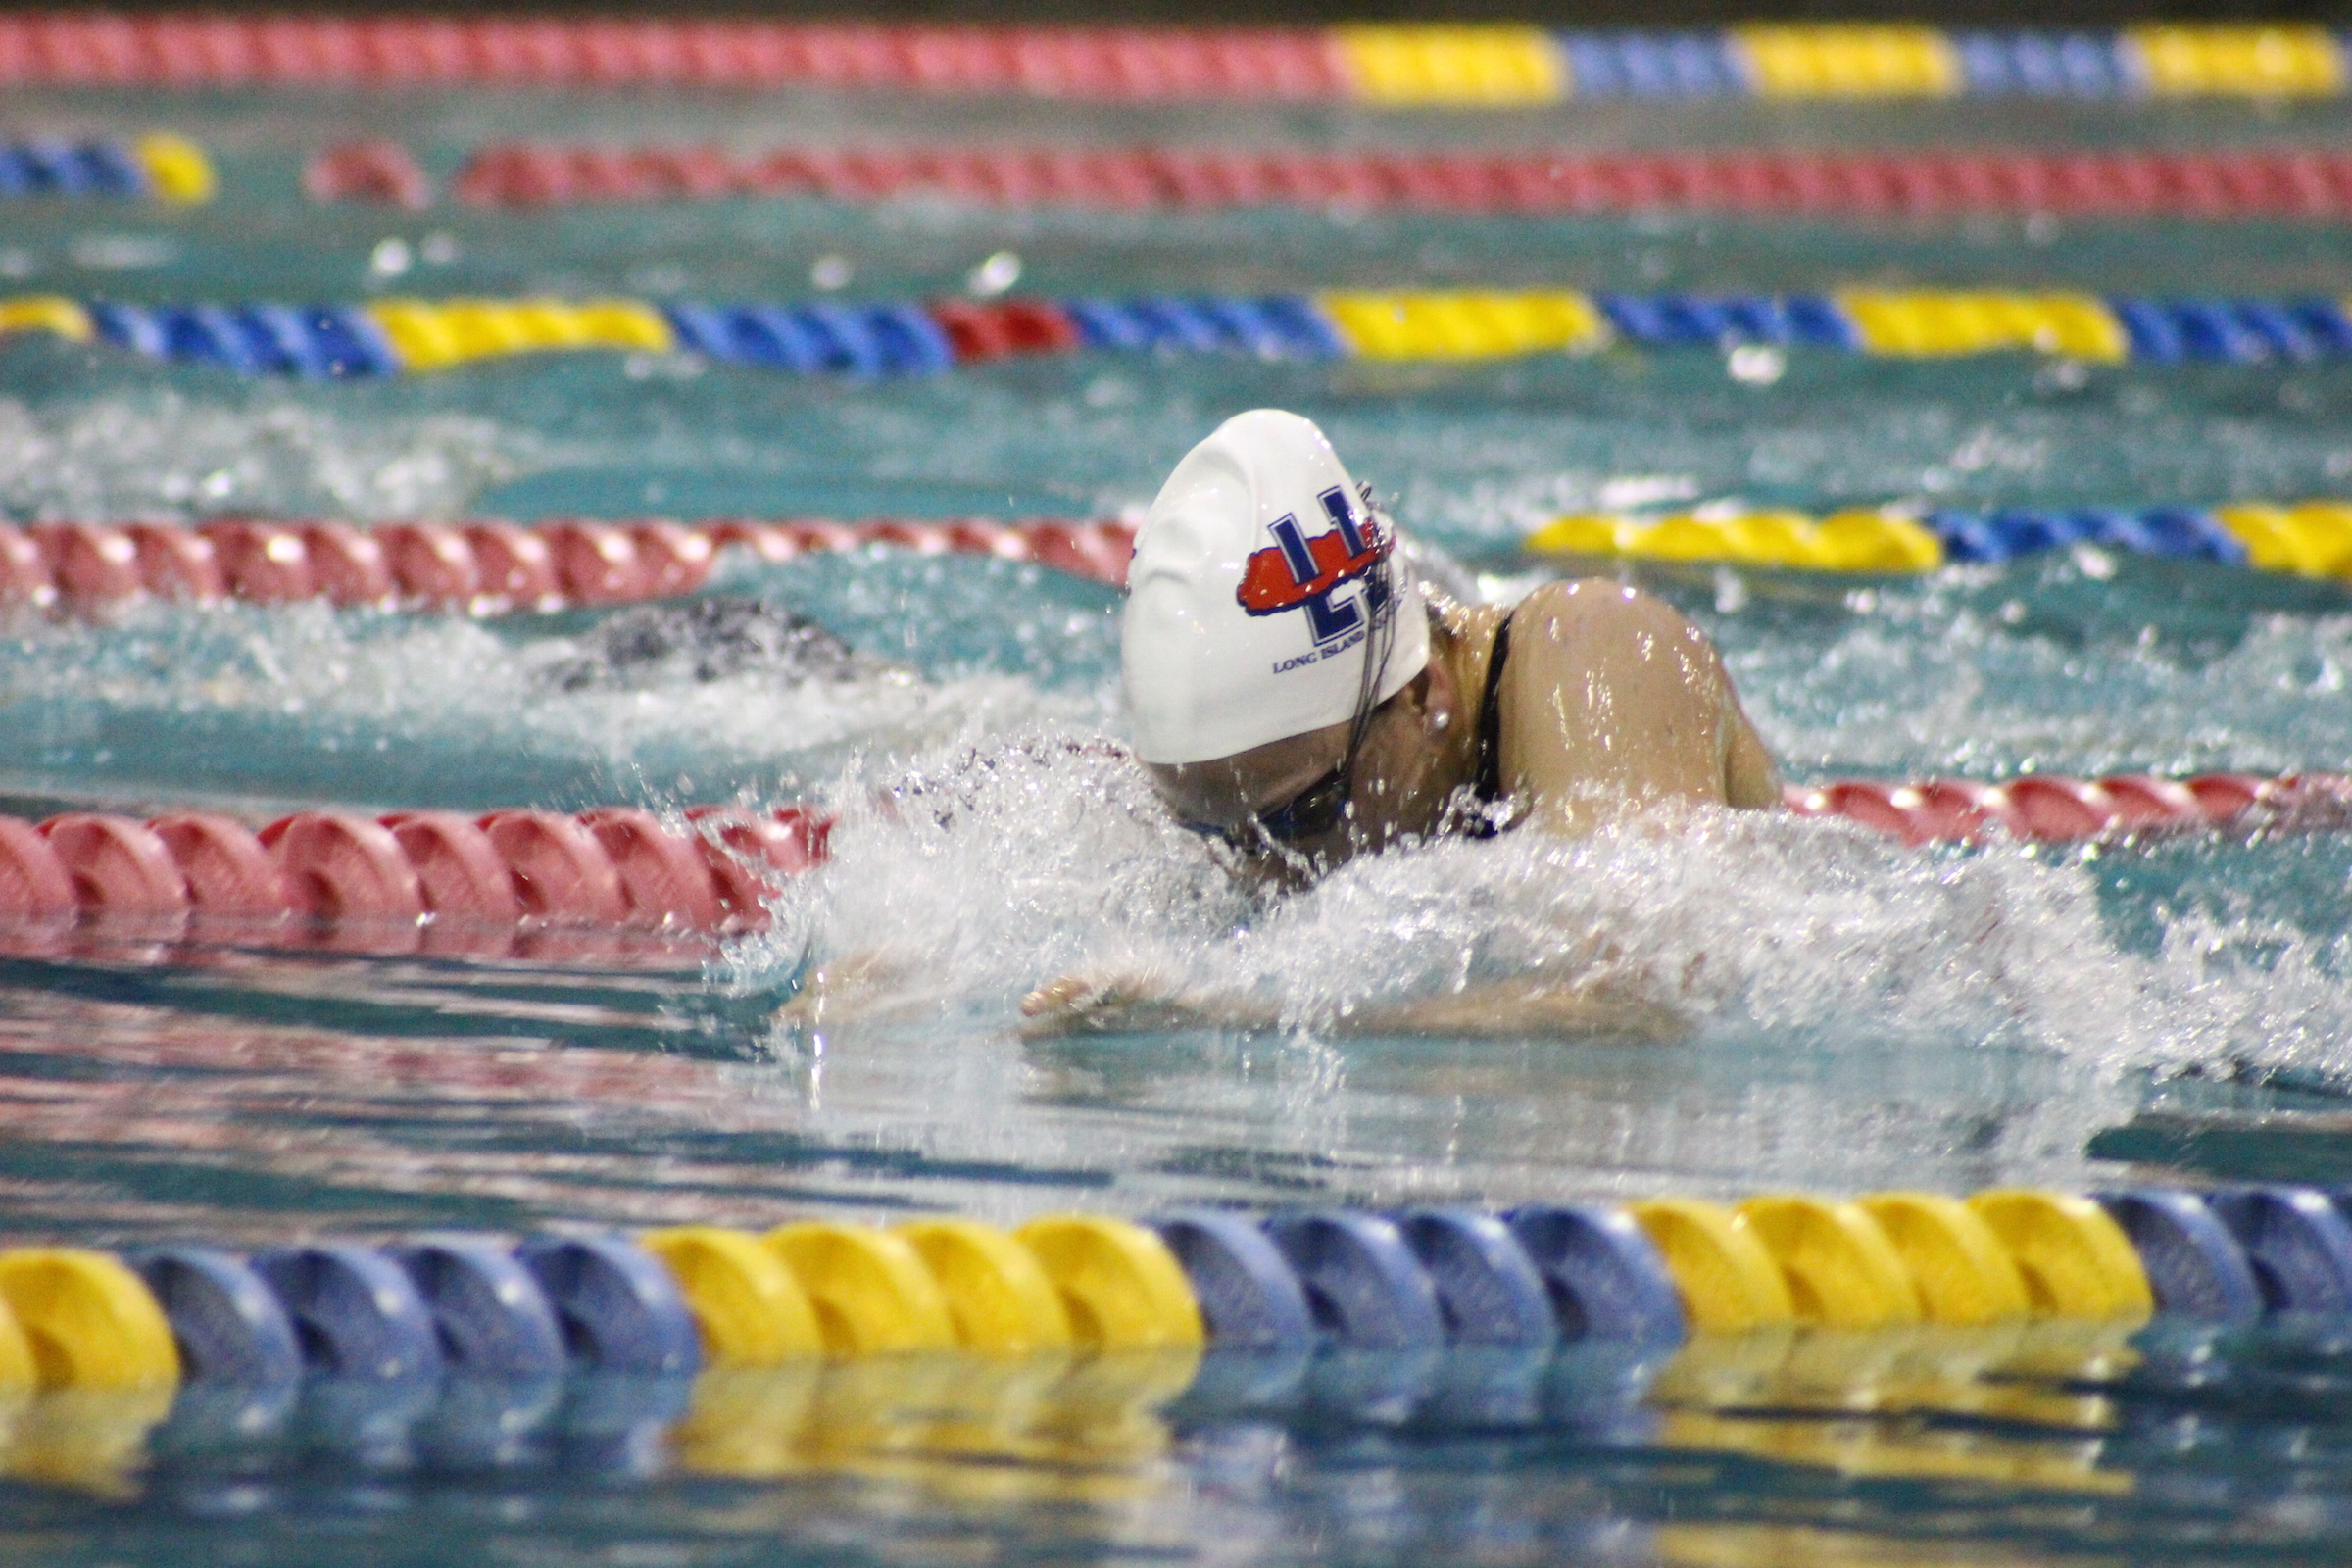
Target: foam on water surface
2085 662
306 700
1859 1013
268 450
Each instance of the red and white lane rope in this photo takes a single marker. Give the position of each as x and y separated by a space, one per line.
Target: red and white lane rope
203 50
460 882
2277 182
467 879
2048 808
480 567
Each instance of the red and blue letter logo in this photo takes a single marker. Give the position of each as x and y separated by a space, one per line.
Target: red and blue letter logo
1299 571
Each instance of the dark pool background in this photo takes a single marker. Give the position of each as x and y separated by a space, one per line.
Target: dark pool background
1868 1017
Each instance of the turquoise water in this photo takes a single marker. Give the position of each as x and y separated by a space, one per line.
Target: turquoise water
1863 1016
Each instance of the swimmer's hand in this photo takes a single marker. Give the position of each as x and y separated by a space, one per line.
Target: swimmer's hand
1142 1002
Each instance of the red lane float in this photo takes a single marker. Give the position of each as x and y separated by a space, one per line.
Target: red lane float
664 879
515 566
224 866
177 563
442 880
2287 181
118 867
459 872
2049 809
26 577
1014 326
265 563
345 867
433 565
560 870
488 567
34 883
379 172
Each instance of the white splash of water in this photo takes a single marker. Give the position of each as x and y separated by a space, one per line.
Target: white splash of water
1053 853
449 684
1862 1014
1004 868
159 454
1928 683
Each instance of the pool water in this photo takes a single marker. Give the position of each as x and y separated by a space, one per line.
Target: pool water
1862 1015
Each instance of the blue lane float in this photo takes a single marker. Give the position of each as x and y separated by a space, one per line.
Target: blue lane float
2182 533
2299 1242
619 1310
71 168
1695 321
313 342
1604 1274
1489 1291
356 1313
2196 1270
1653 65
489 1314
862 342
1367 1290
2045 64
1247 1294
226 1321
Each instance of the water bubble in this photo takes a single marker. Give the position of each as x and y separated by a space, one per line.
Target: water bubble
1757 365
995 275
121 253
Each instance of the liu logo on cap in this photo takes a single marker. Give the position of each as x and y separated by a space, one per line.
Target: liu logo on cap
1298 571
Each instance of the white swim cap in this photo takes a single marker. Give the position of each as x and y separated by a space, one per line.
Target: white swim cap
1261 584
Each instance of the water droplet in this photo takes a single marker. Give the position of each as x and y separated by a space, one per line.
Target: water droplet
996 275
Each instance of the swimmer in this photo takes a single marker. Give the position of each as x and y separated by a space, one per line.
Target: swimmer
703 640
1300 697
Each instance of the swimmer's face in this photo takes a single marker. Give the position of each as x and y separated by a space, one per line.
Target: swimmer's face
1289 809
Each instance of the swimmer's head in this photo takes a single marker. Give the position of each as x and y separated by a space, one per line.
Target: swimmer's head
1264 601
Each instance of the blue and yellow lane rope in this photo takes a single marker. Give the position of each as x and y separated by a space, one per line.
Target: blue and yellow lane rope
1508 66
397 336
161 166
1658 1270
821 1337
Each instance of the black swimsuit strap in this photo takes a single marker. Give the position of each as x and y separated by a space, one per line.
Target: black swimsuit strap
1488 785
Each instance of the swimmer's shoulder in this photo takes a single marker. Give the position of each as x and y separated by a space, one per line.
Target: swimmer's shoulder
1538 655
1463 636
1557 632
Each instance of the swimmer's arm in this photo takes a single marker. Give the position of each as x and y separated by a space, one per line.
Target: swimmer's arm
1142 1004
1752 783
